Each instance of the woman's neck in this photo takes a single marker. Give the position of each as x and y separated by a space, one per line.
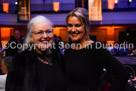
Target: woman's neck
47 51
82 44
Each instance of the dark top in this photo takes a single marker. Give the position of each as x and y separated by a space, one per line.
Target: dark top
12 48
29 74
84 68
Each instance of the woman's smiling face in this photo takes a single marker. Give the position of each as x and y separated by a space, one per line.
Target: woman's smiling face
76 29
42 35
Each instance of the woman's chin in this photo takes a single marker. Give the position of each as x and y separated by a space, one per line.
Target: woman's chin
44 48
76 41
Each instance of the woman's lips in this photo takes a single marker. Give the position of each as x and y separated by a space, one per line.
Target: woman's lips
74 35
44 42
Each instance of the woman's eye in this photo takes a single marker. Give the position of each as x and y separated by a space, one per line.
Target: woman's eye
70 25
39 32
78 25
48 31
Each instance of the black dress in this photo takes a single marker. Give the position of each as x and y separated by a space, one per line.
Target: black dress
29 74
84 68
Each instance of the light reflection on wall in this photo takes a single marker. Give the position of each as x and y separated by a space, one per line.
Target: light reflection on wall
61 32
6 7
108 34
110 43
56 6
111 4
5 35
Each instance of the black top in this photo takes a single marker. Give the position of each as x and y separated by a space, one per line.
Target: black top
52 76
12 48
84 68
29 74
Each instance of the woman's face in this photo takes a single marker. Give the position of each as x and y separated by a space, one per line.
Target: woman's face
76 29
42 36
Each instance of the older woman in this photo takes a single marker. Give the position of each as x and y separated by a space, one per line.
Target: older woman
38 67
84 62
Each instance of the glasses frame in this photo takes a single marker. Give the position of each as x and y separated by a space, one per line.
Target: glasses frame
41 33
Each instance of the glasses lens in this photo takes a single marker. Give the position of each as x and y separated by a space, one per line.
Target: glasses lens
39 34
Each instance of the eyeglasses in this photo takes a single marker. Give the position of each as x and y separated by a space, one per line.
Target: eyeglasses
41 33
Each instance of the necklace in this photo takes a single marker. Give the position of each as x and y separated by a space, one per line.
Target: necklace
46 60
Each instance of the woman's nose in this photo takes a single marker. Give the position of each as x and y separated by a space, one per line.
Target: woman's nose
45 34
73 28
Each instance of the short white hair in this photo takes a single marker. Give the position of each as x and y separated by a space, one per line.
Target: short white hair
34 20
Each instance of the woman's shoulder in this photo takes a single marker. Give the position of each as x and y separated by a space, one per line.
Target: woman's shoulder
98 46
20 58
21 54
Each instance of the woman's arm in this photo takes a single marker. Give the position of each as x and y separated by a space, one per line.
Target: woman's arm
113 66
